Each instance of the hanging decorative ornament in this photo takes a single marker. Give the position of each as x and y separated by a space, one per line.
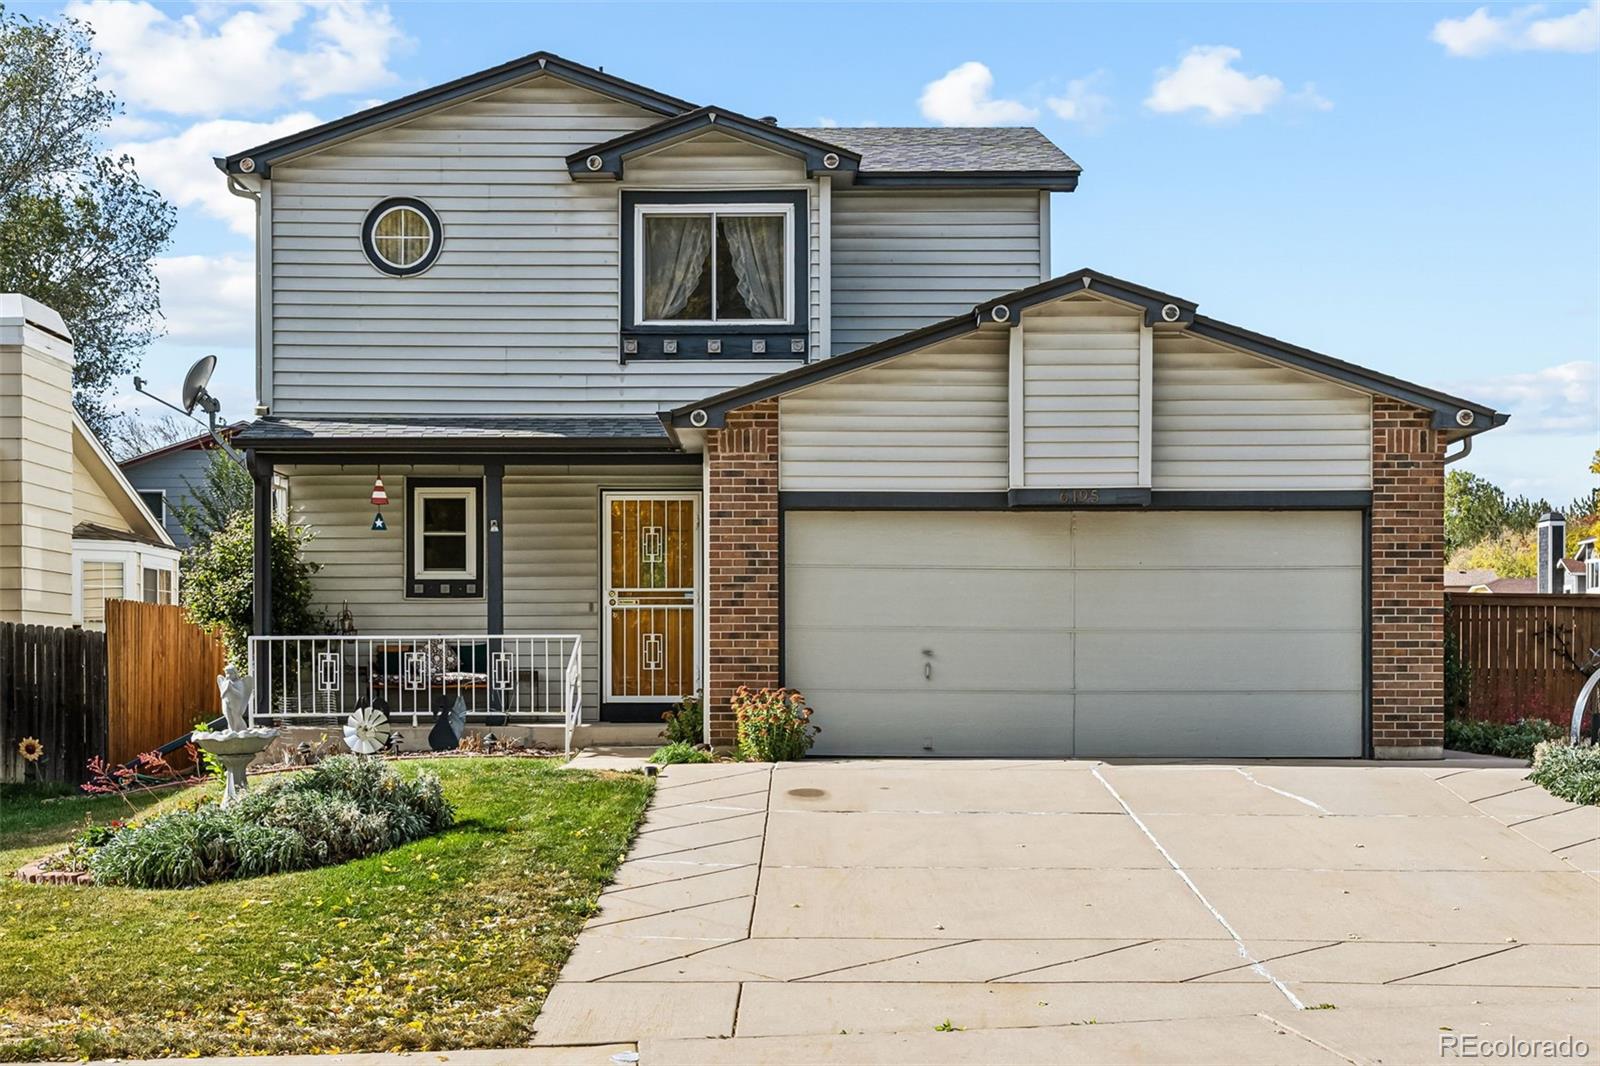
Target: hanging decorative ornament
380 497
378 524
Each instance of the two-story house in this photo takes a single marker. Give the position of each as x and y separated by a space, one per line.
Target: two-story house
596 397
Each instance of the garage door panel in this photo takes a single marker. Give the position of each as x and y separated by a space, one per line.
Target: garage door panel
963 660
959 724
1218 661
1326 725
1127 633
885 596
1205 540
927 541
1221 599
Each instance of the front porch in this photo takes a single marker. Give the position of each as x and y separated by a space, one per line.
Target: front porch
515 581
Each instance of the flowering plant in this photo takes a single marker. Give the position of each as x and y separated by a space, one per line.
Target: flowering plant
774 724
146 772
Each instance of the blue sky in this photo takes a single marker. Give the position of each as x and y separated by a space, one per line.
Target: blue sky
1412 187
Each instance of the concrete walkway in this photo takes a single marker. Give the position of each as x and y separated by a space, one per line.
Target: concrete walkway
990 911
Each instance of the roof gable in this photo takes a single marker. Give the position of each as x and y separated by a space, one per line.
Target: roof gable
606 161
260 159
1451 413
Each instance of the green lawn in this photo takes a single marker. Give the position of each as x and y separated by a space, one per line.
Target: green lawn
452 941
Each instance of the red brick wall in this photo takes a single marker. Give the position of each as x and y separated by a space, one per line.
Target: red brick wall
742 583
1407 581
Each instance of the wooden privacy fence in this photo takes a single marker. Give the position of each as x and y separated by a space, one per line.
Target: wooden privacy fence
162 675
144 681
1522 653
52 688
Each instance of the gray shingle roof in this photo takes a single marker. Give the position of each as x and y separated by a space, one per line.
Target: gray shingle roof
929 149
577 427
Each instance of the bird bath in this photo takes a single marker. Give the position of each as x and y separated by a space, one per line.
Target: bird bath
238 745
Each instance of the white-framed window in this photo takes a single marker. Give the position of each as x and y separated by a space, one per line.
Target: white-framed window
156 501
102 580
157 585
710 264
444 532
280 495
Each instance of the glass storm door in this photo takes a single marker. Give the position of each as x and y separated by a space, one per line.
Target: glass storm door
651 548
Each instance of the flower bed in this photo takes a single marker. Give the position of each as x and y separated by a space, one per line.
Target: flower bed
344 808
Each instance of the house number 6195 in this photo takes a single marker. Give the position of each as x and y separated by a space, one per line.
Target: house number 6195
1080 495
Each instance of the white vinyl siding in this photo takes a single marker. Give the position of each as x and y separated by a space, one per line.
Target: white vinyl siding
1091 634
551 531
934 420
1080 394
519 315
1227 421
904 259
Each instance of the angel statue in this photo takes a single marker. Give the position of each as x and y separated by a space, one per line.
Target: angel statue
237 692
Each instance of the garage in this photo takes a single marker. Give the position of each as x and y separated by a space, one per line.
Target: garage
1088 633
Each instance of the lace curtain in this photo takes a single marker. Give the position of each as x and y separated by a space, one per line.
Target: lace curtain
675 257
755 244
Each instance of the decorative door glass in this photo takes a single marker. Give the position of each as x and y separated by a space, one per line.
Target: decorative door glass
650 597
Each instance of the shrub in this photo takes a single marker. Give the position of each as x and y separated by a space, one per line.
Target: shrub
677 752
344 808
1513 740
1457 677
1569 772
774 724
219 583
685 722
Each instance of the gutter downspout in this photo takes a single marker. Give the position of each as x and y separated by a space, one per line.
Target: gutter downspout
244 192
1466 450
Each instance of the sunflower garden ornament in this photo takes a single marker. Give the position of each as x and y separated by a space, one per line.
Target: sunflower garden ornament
31 749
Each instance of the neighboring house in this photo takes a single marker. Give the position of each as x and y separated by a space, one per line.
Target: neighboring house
73 532
1581 570
664 398
1486 581
166 477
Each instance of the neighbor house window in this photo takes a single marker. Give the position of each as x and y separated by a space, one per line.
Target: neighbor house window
703 264
401 236
157 585
444 544
102 581
156 500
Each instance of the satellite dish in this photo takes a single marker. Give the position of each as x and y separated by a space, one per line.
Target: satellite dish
366 732
194 385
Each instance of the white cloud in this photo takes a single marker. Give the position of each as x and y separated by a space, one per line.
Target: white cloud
1082 102
1308 97
1558 399
222 59
824 122
1206 80
1521 30
962 98
208 301
180 166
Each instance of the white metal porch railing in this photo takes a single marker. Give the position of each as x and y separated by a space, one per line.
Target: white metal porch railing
509 677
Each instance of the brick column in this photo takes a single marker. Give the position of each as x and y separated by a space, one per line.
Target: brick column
1407 583
742 581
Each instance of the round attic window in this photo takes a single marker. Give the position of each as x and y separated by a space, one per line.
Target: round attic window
401 236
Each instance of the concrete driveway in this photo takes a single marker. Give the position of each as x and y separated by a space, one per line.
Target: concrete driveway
991 911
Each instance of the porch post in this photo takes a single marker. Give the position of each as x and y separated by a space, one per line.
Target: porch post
261 530
494 549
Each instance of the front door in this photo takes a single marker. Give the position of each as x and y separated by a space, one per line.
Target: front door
652 542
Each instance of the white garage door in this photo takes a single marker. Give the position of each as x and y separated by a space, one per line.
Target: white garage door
1082 633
